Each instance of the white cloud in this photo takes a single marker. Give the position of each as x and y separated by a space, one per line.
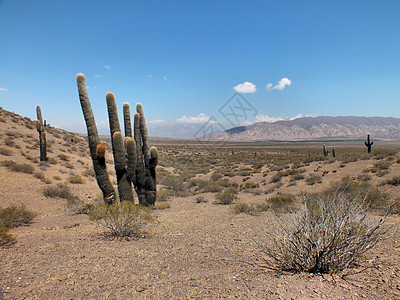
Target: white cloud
281 84
107 67
156 122
97 75
165 78
201 118
3 89
269 119
245 87
149 76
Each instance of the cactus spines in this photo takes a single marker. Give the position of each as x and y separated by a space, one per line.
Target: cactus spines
40 126
368 144
134 161
97 150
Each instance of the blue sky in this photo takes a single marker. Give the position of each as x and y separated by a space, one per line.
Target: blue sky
183 59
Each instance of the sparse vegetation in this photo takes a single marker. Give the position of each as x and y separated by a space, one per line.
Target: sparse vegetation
328 235
59 191
76 179
13 216
122 220
227 196
15 167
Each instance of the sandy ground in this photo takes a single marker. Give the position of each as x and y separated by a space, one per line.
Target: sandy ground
194 251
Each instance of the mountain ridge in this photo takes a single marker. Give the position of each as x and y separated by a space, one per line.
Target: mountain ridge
316 128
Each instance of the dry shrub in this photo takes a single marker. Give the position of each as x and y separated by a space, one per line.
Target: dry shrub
395 181
14 216
6 152
15 167
6 238
227 196
76 179
124 219
63 157
59 191
10 217
313 179
369 196
250 209
328 235
281 203
163 195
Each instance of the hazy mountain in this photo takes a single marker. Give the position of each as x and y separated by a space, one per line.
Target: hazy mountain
317 128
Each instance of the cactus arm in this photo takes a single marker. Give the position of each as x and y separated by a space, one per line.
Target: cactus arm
124 184
131 157
153 163
139 145
144 134
99 166
127 120
40 127
112 117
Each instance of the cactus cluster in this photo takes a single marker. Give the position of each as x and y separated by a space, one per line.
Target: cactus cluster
368 144
325 151
41 126
134 160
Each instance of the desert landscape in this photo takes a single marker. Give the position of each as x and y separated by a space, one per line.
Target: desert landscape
215 210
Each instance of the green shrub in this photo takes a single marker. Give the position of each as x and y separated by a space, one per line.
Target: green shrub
124 219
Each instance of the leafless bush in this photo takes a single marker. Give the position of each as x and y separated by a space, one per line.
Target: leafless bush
328 235
124 219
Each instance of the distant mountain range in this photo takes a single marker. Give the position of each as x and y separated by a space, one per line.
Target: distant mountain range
316 128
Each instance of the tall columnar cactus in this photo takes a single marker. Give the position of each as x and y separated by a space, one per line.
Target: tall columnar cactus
41 126
134 161
368 144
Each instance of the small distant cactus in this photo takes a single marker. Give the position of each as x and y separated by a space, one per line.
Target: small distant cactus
333 153
368 144
41 126
134 160
325 151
